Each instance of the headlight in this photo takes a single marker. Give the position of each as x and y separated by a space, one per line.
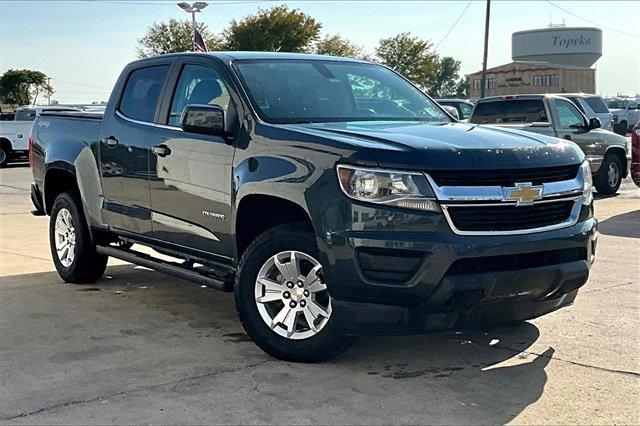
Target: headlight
587 183
401 189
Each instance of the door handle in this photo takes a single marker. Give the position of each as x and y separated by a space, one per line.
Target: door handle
161 150
111 142
567 137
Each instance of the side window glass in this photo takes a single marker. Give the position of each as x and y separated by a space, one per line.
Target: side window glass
198 85
141 93
26 115
465 109
569 115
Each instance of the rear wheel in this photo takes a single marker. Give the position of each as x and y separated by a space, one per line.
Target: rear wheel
283 300
4 157
623 128
72 249
609 175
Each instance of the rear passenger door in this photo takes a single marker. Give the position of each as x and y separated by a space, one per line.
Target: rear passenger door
125 138
191 181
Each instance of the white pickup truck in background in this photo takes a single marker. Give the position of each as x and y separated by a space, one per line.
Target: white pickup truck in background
626 113
14 135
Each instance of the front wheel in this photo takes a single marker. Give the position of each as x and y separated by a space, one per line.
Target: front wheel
72 249
283 300
609 176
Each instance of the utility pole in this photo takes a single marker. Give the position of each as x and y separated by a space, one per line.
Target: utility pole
192 9
483 81
49 91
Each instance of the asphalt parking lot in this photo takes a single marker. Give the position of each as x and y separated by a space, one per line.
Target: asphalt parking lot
142 347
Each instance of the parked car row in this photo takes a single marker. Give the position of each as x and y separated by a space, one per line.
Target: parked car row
607 153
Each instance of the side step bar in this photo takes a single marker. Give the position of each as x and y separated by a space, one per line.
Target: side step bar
171 268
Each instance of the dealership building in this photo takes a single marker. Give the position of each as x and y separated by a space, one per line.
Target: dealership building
548 60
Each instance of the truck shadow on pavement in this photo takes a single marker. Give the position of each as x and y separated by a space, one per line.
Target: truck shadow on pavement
139 332
621 225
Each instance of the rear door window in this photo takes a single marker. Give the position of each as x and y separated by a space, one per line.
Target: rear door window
597 105
510 111
140 96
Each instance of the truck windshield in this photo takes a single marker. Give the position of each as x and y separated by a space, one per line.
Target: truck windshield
617 104
509 111
304 91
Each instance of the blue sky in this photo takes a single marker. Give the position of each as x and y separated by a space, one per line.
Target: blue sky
83 45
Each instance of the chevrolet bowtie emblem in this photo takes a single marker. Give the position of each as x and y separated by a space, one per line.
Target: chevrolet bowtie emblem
524 194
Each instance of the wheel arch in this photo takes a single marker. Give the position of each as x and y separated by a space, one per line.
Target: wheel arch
6 144
257 213
621 154
56 181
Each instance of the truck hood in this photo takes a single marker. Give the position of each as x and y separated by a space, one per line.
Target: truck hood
411 145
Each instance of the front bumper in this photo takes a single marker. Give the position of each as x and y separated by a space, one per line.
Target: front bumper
412 266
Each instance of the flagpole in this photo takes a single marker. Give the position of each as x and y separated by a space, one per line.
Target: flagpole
193 29
192 9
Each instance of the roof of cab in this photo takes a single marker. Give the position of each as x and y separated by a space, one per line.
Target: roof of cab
232 56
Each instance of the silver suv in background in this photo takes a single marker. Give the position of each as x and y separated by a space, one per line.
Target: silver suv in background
592 106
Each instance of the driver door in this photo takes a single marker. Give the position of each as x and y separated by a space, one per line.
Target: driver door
572 125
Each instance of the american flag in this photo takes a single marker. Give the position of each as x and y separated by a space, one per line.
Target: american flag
201 46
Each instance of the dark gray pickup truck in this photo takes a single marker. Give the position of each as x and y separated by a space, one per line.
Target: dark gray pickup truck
331 195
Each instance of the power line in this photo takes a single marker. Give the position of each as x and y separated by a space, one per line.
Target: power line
81 84
172 4
454 24
590 21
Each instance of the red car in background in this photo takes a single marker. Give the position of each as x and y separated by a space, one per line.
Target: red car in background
635 154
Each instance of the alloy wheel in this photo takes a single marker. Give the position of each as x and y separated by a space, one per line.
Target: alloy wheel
291 295
613 175
65 237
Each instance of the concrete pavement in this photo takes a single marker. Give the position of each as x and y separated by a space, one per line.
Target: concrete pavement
142 347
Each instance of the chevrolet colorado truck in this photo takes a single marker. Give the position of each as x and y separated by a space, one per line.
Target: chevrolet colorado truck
331 195
608 154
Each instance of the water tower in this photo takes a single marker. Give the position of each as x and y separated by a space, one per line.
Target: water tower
577 46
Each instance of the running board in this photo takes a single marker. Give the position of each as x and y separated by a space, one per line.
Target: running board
186 271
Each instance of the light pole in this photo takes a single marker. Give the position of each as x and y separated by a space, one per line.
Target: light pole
483 80
192 9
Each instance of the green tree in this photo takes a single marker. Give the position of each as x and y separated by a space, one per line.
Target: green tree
410 56
278 29
337 46
21 87
462 88
444 81
173 36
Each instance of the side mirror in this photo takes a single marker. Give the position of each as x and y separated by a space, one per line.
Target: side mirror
594 123
452 111
203 119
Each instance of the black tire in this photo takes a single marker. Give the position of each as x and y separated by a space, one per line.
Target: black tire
87 265
4 157
328 342
602 184
623 128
